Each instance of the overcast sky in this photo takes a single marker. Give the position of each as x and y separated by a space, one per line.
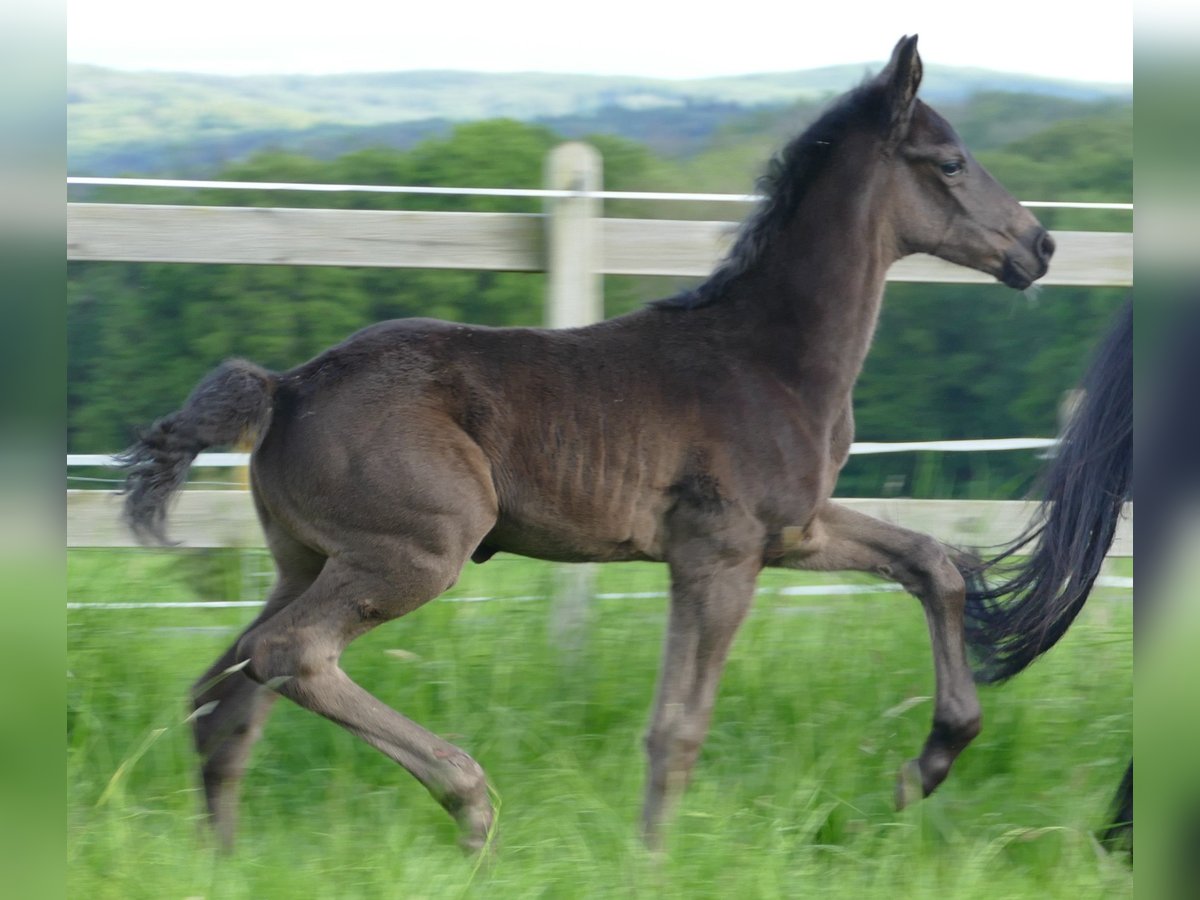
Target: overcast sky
1088 41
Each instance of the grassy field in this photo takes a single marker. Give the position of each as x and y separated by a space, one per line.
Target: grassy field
823 698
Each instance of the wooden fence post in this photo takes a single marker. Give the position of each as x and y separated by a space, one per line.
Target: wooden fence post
573 251
574 297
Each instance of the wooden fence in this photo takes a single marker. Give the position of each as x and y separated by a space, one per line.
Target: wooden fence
498 241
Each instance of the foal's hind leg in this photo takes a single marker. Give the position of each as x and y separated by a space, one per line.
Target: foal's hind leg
841 539
297 652
231 709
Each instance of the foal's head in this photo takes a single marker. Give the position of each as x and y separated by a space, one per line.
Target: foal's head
882 155
942 201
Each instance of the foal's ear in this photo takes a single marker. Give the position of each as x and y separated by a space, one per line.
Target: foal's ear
900 80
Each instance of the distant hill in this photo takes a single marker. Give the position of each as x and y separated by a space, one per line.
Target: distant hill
187 124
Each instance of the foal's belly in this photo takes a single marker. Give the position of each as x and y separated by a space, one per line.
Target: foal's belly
564 540
555 548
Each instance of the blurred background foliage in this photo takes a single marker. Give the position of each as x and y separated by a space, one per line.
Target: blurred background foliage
949 361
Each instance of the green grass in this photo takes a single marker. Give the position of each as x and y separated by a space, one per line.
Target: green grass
791 797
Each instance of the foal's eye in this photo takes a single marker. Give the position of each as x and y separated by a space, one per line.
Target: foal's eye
950 169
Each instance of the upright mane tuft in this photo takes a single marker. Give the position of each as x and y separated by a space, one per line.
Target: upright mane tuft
787 177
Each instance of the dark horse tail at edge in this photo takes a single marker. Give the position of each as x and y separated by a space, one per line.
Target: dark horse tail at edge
1013 621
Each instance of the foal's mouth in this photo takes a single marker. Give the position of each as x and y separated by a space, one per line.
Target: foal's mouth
1017 276
1021 269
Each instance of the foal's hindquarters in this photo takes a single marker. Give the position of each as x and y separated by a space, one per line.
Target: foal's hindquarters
392 541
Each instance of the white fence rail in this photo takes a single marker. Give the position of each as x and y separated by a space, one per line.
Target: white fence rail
443 191
235 460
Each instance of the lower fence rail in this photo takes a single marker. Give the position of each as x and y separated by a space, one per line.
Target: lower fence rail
226 518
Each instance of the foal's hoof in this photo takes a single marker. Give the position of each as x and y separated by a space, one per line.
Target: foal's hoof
909 785
473 845
475 831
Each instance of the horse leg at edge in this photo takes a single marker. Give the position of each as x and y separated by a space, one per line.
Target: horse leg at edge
844 540
707 607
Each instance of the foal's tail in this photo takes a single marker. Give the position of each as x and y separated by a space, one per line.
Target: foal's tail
1013 622
232 403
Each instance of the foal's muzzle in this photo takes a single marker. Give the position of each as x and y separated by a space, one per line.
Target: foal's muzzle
1029 261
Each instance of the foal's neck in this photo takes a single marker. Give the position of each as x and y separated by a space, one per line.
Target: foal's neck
821 284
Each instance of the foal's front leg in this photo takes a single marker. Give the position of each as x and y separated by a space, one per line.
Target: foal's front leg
708 603
840 539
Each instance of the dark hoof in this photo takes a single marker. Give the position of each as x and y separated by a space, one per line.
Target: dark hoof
477 831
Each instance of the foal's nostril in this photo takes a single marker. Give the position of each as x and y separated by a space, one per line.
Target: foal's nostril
1044 246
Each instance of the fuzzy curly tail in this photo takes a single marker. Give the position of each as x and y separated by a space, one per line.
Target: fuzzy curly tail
231 403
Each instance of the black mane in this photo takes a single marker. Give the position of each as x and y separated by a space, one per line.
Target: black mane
788 176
